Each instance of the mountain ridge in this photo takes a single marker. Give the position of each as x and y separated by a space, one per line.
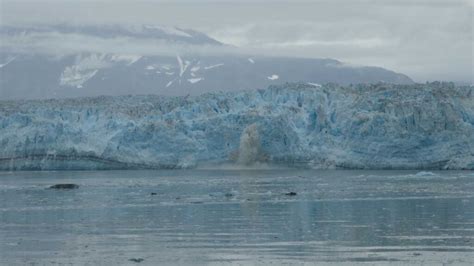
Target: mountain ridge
179 70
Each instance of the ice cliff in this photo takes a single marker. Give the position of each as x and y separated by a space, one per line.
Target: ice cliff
420 126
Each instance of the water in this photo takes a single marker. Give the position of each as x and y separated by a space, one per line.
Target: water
246 217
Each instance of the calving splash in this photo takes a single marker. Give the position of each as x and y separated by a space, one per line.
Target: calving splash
249 149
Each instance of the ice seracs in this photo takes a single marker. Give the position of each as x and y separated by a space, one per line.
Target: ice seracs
383 126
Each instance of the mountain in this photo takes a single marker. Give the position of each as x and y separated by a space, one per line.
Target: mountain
380 126
147 32
69 61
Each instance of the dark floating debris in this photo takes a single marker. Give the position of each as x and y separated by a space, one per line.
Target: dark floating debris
153 193
291 193
137 260
229 195
64 186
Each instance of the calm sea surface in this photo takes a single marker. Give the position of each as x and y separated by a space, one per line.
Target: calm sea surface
239 217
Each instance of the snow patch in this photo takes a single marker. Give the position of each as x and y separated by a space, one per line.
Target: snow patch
314 84
182 66
273 77
75 77
150 67
213 66
84 69
128 59
9 60
195 80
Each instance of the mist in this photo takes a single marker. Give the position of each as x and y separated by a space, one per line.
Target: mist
427 40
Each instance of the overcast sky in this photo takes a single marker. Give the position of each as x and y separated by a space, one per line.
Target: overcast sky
425 39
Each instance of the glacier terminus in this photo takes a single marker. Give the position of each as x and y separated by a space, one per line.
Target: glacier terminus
381 126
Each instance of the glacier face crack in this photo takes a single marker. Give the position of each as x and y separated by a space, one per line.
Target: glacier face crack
421 126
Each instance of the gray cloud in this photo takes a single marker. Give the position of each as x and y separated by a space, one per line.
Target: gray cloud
63 44
428 40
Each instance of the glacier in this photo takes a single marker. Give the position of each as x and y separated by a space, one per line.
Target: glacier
379 126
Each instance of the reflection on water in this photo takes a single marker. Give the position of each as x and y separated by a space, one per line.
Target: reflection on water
238 217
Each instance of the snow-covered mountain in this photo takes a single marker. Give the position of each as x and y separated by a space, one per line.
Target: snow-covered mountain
69 61
380 126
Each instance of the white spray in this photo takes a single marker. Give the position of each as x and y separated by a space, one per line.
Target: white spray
249 149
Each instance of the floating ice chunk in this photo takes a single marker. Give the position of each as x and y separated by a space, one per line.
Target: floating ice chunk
273 77
150 67
169 83
425 173
251 60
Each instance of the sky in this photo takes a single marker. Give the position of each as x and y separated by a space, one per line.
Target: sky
425 39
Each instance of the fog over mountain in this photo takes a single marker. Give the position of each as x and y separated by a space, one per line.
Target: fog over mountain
57 61
426 40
